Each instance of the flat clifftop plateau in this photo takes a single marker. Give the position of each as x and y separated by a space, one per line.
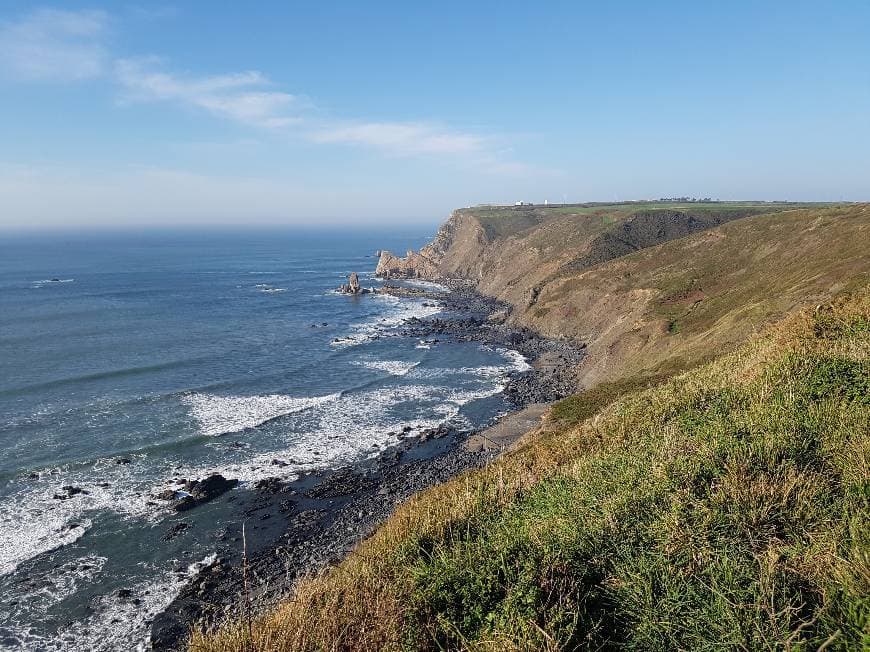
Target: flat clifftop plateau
651 288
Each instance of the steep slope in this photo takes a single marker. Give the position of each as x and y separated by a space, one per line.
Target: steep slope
652 290
726 508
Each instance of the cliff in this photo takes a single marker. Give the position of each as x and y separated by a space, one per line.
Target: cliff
650 288
723 509
656 510
454 252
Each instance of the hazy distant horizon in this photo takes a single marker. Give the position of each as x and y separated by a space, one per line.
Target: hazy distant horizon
141 115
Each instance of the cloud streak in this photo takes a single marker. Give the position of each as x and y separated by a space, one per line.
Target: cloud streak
55 45
241 97
403 138
58 45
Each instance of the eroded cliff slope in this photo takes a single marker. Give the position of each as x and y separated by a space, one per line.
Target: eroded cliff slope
650 288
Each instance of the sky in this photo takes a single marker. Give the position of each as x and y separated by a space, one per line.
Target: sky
352 113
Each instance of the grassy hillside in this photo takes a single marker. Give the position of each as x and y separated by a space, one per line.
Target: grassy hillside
654 289
670 306
725 508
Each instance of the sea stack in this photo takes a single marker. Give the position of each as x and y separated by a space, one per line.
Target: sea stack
352 286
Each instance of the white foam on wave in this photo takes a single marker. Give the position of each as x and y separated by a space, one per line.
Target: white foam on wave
393 367
217 415
51 281
516 363
425 285
126 624
355 427
43 591
402 310
34 519
517 360
269 289
30 527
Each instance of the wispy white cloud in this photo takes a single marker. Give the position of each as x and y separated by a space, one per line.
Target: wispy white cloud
403 138
238 96
52 44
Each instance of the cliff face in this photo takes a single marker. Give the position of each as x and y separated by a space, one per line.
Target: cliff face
456 249
413 265
650 289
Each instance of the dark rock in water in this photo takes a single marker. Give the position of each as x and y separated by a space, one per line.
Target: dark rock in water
123 594
33 476
352 286
167 494
281 463
73 491
202 491
270 485
175 530
123 460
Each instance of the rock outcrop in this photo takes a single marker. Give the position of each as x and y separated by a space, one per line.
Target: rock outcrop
413 265
197 492
455 251
352 286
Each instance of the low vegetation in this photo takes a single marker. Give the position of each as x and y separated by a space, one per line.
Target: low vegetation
724 508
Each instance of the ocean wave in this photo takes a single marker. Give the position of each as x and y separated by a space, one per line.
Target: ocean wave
269 289
34 529
516 363
357 426
47 588
126 624
401 312
393 367
51 281
425 285
218 415
39 517
517 360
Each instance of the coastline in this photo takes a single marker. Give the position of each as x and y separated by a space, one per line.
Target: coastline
299 527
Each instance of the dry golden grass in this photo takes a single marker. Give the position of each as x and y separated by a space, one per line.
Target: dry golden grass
726 508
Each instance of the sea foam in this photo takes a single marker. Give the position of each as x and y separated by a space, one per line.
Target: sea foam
218 415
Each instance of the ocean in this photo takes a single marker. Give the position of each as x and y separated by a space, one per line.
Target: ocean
131 360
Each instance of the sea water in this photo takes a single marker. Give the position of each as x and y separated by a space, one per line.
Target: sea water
130 360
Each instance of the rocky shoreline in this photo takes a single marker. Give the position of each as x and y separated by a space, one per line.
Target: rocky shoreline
298 527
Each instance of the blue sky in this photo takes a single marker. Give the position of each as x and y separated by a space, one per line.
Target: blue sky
348 112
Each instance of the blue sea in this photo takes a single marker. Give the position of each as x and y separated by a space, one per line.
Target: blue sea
189 353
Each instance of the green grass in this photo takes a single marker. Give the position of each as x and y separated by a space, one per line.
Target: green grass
504 221
579 407
704 293
726 508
